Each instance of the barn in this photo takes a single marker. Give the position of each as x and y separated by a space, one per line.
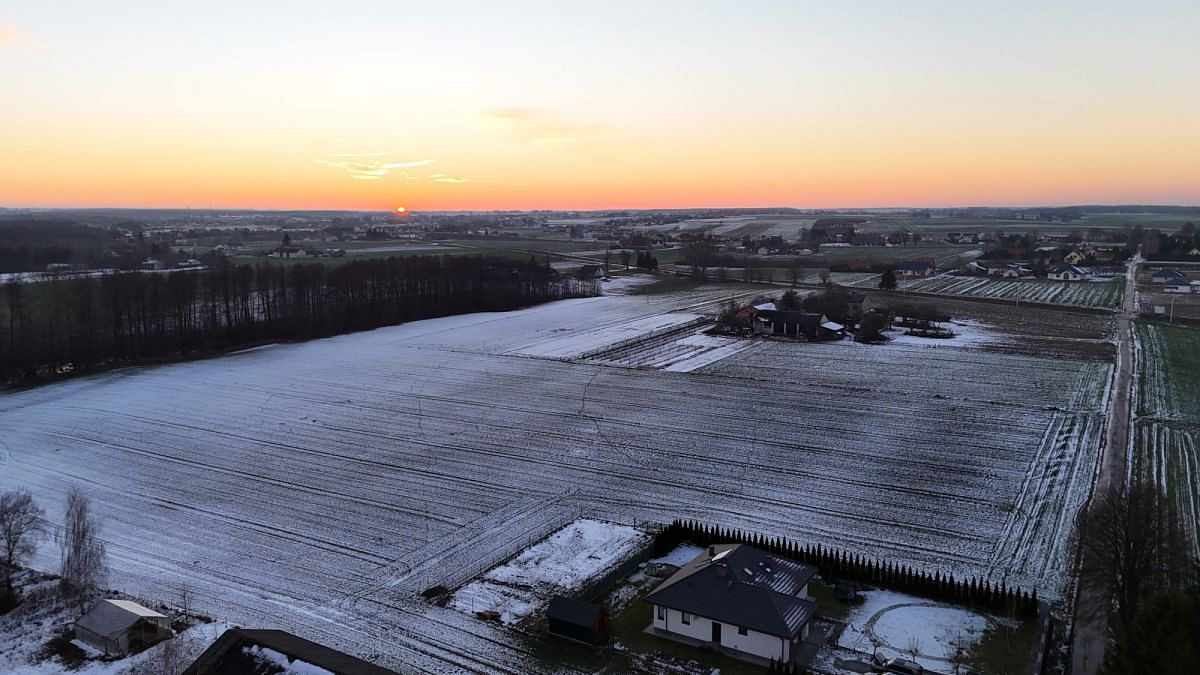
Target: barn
120 627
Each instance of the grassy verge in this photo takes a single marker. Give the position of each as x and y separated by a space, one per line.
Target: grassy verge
827 605
1004 650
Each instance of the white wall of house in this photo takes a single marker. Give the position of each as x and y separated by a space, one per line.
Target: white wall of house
700 628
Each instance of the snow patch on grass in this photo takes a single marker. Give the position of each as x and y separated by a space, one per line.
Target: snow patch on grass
896 624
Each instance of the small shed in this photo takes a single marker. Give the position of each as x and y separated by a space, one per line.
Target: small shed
831 330
120 627
578 620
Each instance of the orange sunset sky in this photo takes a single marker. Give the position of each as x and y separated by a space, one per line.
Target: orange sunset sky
484 105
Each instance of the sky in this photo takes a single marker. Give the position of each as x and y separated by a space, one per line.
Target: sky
563 104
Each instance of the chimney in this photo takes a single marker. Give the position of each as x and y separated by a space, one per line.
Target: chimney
712 551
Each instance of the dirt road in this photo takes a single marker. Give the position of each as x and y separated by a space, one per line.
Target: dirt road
1090 638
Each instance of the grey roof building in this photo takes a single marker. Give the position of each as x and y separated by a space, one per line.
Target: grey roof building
119 627
739 598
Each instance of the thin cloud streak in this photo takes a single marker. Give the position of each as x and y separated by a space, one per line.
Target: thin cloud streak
370 170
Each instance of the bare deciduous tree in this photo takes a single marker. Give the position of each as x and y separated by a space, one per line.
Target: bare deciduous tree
22 524
913 648
84 564
1133 547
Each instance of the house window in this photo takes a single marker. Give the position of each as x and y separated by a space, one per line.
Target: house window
662 613
742 631
686 618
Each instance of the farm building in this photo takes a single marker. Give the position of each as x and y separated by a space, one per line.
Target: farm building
1180 287
738 599
120 627
788 324
915 268
288 252
1066 272
1011 271
1074 258
275 652
578 620
1164 275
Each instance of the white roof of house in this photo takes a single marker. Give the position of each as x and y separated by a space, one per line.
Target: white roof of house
766 305
830 325
109 617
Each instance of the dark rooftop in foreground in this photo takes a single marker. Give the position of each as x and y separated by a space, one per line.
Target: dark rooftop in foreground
741 585
234 653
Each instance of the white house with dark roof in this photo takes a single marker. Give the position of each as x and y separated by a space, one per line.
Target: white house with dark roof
737 598
1065 272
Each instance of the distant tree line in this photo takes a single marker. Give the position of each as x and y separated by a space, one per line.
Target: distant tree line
839 564
87 323
30 244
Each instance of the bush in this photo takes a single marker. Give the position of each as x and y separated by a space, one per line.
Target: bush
8 601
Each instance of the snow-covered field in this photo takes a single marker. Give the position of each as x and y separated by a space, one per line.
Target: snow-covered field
898 625
1166 450
563 562
1097 293
320 487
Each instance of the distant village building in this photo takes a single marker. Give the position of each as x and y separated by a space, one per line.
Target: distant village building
738 599
788 324
288 252
1166 275
915 268
1012 271
275 652
1065 272
150 264
591 272
120 627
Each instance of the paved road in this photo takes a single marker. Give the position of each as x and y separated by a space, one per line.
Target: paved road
1090 639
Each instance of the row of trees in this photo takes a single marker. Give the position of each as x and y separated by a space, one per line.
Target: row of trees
1140 577
86 323
23 525
837 563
